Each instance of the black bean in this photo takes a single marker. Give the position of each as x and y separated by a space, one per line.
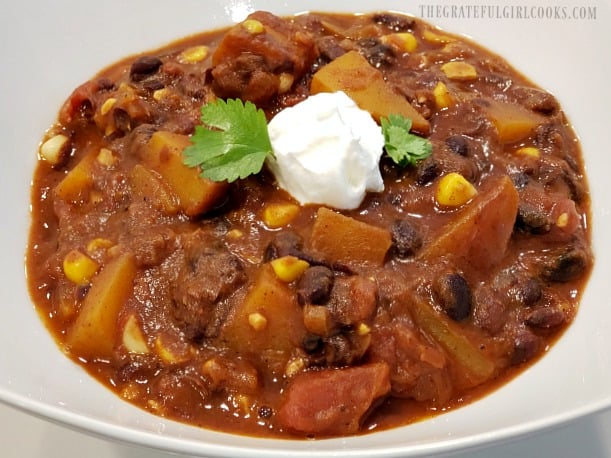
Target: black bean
565 266
520 179
312 344
526 346
532 219
394 22
528 292
122 120
377 53
144 66
283 244
427 170
458 144
454 295
265 412
406 239
545 317
315 285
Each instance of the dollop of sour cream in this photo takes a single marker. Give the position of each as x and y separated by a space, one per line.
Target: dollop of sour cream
327 151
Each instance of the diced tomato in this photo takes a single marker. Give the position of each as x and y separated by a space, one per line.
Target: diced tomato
333 401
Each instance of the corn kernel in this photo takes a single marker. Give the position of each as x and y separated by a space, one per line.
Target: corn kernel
242 403
294 366
278 215
79 268
454 190
404 41
193 54
172 354
98 244
154 406
53 149
257 321
459 71
106 157
253 26
443 98
211 368
363 329
107 105
286 82
159 94
133 339
110 129
562 220
437 38
131 392
235 234
289 268
529 151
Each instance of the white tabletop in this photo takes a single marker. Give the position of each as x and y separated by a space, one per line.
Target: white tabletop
23 436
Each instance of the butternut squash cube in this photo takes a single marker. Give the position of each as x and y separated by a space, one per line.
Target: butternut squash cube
146 184
352 74
76 185
196 195
95 330
343 239
271 298
512 122
478 367
479 234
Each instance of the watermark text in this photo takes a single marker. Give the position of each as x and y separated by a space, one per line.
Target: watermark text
478 11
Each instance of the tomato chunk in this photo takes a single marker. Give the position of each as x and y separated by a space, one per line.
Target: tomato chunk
333 401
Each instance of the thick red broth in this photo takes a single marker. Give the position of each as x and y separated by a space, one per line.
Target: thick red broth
234 307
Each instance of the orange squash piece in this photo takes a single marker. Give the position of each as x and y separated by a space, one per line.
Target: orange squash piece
196 195
352 74
76 185
269 320
347 240
512 122
147 185
95 331
479 234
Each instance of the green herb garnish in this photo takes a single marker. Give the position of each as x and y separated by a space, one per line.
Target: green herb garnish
403 147
232 143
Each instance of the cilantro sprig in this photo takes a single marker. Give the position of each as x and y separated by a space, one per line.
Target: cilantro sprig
233 141
403 147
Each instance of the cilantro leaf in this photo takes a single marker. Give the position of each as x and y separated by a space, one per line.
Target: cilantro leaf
403 147
232 143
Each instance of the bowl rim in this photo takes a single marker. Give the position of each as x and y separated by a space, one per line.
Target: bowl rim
337 447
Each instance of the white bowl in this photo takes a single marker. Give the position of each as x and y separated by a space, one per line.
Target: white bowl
48 48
